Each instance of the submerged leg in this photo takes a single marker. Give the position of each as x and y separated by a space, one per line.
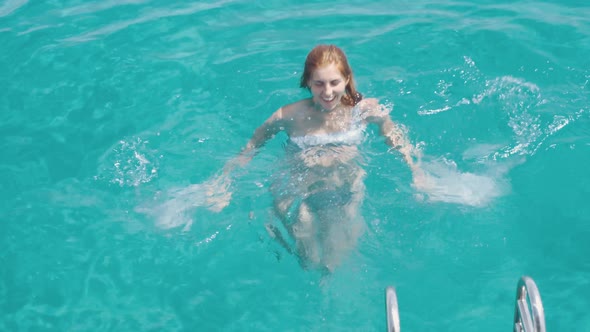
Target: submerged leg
300 223
282 208
342 226
305 234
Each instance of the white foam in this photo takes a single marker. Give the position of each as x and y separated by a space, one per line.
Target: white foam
443 182
179 203
174 210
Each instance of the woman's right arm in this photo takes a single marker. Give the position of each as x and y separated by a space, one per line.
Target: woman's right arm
393 133
219 188
272 126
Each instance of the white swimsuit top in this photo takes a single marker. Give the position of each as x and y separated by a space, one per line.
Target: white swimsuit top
353 136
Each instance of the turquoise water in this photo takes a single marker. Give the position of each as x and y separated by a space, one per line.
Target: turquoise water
107 108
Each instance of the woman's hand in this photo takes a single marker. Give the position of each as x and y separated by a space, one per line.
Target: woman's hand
413 157
218 192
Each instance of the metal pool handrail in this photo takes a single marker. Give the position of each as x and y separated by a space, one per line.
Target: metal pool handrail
529 315
524 319
392 310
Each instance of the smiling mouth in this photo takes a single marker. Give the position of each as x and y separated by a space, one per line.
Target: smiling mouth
328 100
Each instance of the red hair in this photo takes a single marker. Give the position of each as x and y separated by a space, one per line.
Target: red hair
323 55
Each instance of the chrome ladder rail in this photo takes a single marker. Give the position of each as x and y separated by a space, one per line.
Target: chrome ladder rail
528 318
392 310
529 315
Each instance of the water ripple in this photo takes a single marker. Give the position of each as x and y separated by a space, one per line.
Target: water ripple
152 15
97 7
11 6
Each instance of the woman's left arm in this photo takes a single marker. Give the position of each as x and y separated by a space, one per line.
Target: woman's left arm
394 135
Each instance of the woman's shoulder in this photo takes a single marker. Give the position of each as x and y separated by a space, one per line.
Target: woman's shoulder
370 108
290 112
298 107
368 103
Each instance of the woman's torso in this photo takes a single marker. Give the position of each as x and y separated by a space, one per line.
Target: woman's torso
324 139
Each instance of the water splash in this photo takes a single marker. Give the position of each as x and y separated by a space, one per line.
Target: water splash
517 99
173 209
443 182
130 163
177 206
520 100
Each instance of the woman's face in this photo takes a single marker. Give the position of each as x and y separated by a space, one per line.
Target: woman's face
327 86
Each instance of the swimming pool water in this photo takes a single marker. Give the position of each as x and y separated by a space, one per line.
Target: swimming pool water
107 108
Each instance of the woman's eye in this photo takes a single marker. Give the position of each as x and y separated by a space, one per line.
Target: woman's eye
334 83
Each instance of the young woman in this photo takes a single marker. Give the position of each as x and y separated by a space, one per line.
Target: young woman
318 197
